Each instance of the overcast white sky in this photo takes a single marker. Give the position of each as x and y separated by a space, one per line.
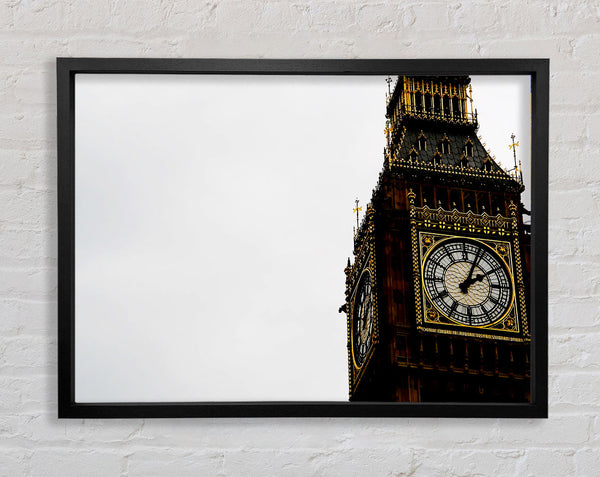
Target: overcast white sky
213 223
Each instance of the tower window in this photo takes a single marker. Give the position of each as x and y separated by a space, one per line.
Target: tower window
422 142
437 158
469 148
464 161
487 164
445 145
437 104
446 106
455 108
427 98
427 197
413 155
418 102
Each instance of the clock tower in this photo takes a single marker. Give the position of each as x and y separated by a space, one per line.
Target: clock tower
437 296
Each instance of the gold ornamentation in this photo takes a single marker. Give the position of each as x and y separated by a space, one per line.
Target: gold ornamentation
512 327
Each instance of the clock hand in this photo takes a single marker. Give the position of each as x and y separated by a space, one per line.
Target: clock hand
464 286
475 260
468 282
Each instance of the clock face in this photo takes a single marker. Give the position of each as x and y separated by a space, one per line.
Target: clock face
467 282
362 320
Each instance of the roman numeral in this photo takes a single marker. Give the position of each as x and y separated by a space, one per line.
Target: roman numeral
453 307
497 285
441 294
435 262
449 255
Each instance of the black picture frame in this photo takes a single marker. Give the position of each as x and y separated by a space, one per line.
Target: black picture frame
67 68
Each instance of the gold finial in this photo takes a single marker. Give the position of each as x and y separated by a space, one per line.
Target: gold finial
357 209
388 80
517 169
471 98
389 129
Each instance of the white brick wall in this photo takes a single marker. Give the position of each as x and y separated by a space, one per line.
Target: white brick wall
34 442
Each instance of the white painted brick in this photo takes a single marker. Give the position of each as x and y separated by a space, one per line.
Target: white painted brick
590 241
29 169
28 283
566 240
28 207
292 462
43 15
486 15
585 48
433 18
66 462
595 431
592 132
22 395
25 316
581 312
15 462
27 355
105 431
547 462
333 16
383 17
576 388
587 461
24 126
563 169
573 127
34 50
120 47
89 14
575 351
27 247
444 462
183 16
573 279
567 204
574 91
558 49
35 87
137 16
568 430
166 461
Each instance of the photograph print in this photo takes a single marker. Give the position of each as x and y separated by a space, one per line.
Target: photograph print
437 290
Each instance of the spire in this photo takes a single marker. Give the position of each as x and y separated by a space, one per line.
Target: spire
517 168
356 209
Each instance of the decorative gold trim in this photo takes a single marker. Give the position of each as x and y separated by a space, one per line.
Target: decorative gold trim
434 225
445 331
469 171
365 261
453 220
434 244
366 270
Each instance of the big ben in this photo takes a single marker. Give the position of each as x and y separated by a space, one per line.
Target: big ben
437 299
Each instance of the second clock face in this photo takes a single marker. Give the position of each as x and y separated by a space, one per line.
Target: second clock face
362 320
467 281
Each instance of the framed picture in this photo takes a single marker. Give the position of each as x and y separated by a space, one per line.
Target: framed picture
332 238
